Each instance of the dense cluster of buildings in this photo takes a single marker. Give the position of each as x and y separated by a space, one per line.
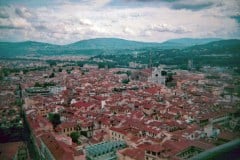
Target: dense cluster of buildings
9 105
137 120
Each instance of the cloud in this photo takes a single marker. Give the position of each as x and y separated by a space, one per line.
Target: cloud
23 12
86 22
64 21
128 31
152 0
10 18
192 6
168 28
237 18
14 23
3 14
174 4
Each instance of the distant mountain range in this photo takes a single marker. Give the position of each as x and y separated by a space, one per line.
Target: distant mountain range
110 43
116 43
107 46
187 42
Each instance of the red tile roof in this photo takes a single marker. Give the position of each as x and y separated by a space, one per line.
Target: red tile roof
119 130
82 104
59 150
66 125
137 154
155 148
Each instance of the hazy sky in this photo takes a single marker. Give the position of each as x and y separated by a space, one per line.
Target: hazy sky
66 21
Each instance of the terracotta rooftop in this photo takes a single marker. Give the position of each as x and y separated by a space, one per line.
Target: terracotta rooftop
58 150
133 153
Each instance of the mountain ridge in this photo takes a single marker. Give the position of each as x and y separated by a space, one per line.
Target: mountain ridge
112 43
207 40
96 46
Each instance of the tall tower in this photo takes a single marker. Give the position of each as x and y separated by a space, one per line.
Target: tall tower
190 64
150 60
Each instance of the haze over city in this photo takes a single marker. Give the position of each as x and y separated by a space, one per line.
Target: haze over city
67 21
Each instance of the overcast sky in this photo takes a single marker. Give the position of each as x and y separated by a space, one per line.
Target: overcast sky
67 21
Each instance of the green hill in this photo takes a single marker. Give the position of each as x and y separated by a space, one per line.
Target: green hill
111 46
110 43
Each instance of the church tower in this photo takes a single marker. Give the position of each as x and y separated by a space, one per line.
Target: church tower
158 76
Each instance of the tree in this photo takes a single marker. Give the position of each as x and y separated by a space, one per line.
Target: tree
54 119
46 84
1 74
125 81
80 63
68 71
169 77
37 84
52 63
74 136
18 102
129 73
101 65
52 75
163 73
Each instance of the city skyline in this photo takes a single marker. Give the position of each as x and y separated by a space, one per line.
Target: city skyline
64 22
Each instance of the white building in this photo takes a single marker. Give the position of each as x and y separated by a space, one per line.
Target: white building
157 76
